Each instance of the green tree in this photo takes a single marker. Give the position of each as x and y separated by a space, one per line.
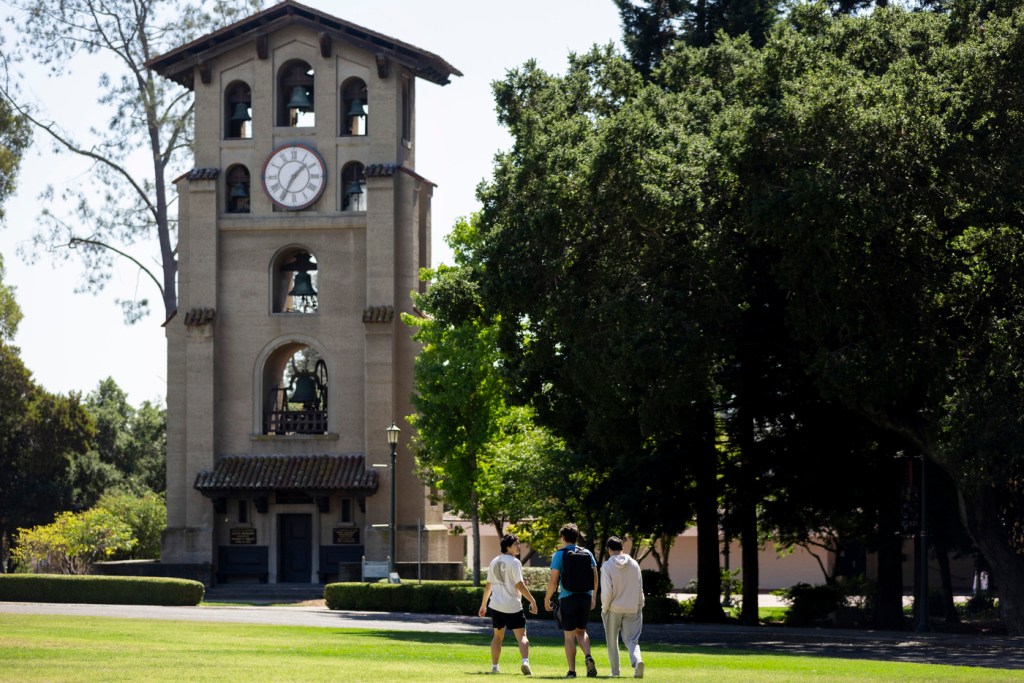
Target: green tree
145 515
887 198
130 445
596 257
117 207
10 312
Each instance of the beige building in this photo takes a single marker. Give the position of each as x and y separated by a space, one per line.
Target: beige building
302 229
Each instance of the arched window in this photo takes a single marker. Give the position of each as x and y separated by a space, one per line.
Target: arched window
295 396
237 187
238 111
354 107
295 95
353 187
294 282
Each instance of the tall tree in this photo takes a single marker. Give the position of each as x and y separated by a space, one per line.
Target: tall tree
130 442
118 206
651 27
893 157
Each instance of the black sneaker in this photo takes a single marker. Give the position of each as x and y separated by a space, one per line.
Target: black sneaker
591 667
571 674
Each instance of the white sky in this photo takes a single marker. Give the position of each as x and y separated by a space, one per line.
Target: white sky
71 341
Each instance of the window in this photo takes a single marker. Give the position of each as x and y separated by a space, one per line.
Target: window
238 111
296 397
243 512
406 109
353 187
346 511
294 282
237 187
354 107
296 95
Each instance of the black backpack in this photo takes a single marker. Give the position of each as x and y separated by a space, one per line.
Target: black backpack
577 574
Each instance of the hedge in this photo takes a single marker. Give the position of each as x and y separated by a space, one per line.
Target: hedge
105 590
454 598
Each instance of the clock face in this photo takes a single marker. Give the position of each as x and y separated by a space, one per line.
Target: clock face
294 177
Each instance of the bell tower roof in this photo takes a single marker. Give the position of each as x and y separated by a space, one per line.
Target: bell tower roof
180 64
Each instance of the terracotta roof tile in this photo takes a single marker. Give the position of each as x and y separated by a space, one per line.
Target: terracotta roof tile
288 473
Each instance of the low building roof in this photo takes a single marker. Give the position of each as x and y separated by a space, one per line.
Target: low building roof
179 64
266 473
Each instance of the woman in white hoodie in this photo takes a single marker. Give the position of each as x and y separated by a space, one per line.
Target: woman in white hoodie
622 605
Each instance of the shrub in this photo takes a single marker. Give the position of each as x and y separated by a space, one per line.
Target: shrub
810 604
106 590
662 610
656 584
73 541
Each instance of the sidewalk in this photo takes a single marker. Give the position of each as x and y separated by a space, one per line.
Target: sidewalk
929 648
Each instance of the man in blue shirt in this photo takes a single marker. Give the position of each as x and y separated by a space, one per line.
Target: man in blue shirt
573 606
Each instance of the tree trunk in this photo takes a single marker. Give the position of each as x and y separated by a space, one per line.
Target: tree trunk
750 572
707 606
942 555
476 539
981 517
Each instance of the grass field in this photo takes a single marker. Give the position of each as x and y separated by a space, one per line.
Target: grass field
62 648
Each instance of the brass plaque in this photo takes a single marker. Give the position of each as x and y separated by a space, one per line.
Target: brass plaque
243 536
346 534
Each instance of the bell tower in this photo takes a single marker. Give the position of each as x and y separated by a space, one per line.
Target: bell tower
302 229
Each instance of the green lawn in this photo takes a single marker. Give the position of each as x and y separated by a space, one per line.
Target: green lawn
64 648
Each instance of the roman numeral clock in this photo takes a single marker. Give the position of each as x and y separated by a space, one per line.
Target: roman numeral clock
294 177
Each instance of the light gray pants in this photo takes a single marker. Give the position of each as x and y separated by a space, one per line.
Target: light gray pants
629 626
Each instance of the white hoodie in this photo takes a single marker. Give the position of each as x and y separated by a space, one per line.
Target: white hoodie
622 586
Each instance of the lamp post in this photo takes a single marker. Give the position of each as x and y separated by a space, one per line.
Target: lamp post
392 432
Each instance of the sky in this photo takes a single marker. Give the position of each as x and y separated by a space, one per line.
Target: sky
72 341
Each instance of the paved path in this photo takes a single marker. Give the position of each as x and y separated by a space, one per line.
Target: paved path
931 648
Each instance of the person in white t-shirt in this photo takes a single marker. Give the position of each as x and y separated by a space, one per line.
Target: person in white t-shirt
506 589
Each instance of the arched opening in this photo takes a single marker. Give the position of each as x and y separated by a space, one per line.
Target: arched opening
237 188
355 107
295 95
353 187
238 111
295 282
295 391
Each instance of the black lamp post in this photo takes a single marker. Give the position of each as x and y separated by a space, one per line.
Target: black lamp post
392 432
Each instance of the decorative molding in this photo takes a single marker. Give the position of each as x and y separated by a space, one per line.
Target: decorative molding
383 65
206 73
197 317
378 314
262 46
325 45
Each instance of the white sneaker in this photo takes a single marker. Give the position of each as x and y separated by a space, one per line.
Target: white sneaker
525 668
494 668
639 673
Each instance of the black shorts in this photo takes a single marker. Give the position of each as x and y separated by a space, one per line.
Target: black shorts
512 621
574 611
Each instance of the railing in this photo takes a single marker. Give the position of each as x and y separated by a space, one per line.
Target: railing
295 422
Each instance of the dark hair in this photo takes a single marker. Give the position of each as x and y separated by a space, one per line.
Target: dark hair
570 532
614 543
507 541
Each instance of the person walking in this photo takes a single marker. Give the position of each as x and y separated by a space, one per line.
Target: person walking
574 576
622 606
505 589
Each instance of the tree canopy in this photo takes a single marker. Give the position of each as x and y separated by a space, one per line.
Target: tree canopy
708 267
119 206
